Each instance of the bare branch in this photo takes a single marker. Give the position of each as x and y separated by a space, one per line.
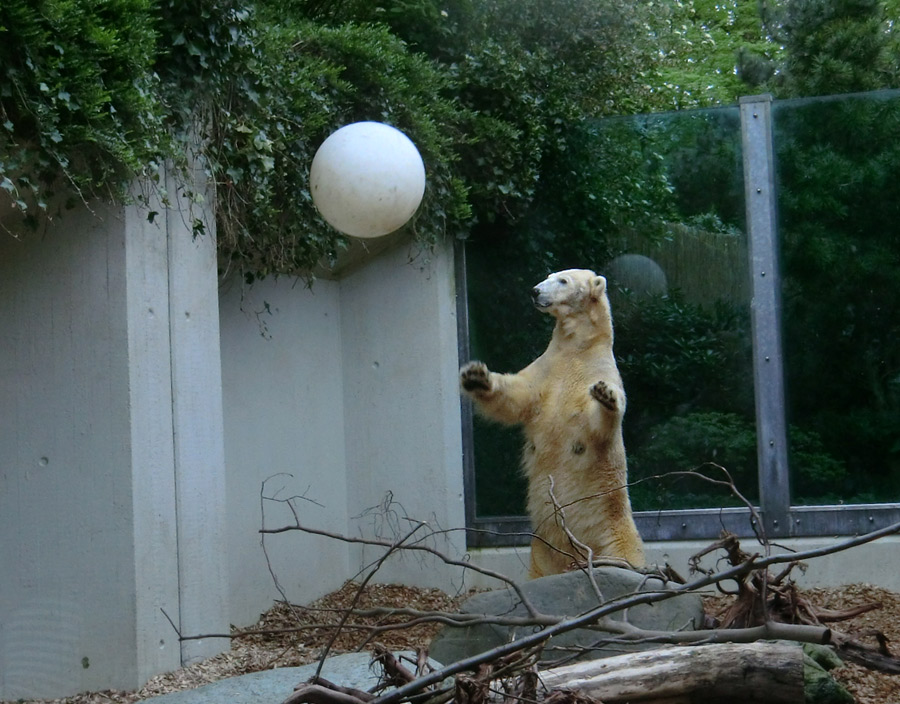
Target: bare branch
391 548
526 602
749 571
579 546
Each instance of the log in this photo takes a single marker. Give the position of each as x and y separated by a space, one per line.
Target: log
770 672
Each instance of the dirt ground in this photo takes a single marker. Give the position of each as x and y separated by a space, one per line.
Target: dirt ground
299 647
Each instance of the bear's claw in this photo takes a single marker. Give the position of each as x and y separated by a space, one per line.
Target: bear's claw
475 377
605 395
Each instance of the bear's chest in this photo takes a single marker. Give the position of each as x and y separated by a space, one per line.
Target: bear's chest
562 417
564 387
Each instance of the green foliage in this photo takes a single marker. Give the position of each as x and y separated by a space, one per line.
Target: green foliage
612 177
836 46
690 402
78 97
815 473
703 441
524 71
485 90
785 47
685 357
689 443
725 52
271 87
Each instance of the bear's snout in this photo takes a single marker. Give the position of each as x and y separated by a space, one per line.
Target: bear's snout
537 296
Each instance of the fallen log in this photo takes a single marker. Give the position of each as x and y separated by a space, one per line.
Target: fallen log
773 672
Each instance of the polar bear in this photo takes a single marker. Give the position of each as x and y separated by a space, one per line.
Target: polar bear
570 402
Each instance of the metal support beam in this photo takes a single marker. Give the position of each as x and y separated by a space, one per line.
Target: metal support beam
759 187
466 409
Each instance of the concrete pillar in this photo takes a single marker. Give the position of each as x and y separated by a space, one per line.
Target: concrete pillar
197 428
110 452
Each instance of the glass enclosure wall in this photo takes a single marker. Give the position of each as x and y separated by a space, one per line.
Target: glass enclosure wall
657 204
838 166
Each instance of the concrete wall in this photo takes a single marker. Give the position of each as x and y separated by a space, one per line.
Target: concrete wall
133 480
342 393
402 408
110 462
284 426
67 514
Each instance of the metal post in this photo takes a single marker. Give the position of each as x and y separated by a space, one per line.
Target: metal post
462 323
759 188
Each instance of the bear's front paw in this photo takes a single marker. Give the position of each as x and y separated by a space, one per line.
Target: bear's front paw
606 395
475 376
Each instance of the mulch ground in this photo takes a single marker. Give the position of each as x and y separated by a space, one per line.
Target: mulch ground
868 687
299 634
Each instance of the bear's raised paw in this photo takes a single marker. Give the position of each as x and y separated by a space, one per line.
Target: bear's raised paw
475 376
605 395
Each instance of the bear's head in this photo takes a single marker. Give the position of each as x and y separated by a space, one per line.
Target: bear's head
573 293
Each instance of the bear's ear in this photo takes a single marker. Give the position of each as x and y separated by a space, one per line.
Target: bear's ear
598 289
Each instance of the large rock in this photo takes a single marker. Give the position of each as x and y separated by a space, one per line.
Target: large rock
569 594
274 686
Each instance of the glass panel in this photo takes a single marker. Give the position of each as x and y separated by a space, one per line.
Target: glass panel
838 161
655 203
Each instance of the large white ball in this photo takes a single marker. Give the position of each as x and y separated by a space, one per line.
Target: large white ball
367 179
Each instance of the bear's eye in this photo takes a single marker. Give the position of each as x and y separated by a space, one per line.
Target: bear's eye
563 280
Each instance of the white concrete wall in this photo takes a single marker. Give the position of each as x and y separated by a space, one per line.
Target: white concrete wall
401 407
341 393
131 475
109 458
68 617
284 425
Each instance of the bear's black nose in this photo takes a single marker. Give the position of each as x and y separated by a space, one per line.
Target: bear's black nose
535 292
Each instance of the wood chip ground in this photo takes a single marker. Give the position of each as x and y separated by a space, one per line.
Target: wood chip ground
304 646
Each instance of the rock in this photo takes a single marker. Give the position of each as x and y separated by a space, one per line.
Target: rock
274 686
568 594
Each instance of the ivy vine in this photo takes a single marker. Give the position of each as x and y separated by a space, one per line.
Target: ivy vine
94 93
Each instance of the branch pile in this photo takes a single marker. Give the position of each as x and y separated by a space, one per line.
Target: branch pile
736 655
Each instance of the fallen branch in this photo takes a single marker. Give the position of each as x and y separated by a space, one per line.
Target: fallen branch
346 615
321 694
770 672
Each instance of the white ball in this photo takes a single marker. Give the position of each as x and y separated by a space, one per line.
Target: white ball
367 179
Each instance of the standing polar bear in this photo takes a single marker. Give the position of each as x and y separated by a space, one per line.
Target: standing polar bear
570 402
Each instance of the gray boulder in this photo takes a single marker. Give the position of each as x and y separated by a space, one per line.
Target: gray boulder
274 686
569 594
